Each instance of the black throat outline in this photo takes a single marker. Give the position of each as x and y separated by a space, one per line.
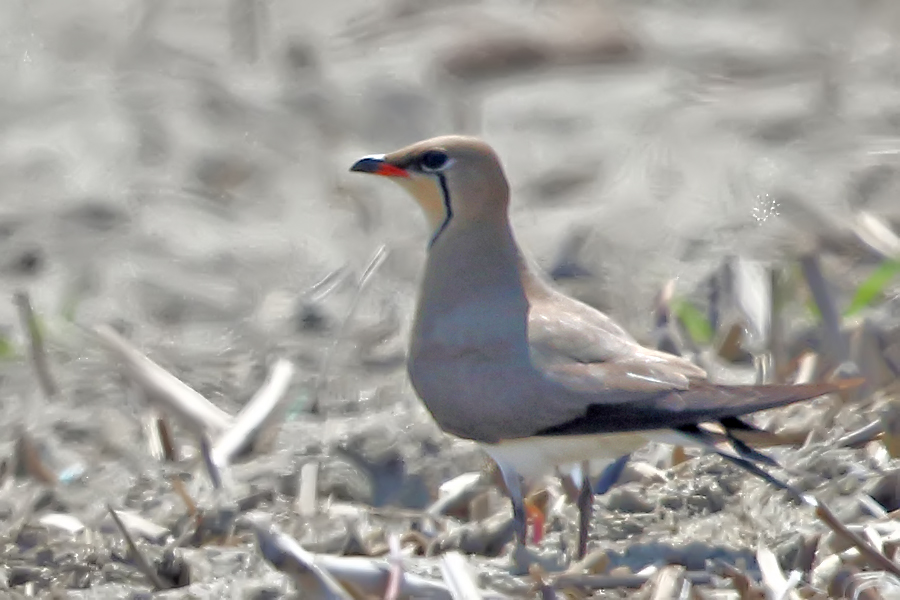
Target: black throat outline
445 194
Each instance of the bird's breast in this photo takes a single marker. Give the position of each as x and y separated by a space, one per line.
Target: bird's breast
474 392
468 327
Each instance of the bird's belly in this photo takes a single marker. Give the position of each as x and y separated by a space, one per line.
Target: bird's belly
537 456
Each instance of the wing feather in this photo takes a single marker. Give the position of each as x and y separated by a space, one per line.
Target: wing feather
590 364
581 347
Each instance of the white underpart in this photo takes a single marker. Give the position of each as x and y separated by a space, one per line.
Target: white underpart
535 457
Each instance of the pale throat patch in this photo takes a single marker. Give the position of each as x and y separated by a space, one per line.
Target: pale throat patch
427 193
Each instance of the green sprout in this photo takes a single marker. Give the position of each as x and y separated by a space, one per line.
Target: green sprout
695 322
873 287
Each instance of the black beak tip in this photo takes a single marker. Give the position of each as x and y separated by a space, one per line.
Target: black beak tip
367 164
377 165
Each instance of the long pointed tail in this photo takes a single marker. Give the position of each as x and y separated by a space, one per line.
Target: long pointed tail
737 452
715 401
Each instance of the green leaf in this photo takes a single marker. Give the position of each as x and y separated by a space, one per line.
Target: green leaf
694 321
873 287
813 309
7 349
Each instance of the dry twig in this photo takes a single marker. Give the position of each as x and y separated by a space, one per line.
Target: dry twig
745 585
36 344
458 578
669 583
30 461
605 582
365 574
773 578
213 469
849 583
140 559
307 498
163 389
182 492
253 418
167 439
873 231
374 263
539 576
369 576
872 555
392 591
458 492
861 436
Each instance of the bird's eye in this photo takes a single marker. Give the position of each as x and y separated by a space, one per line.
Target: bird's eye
433 160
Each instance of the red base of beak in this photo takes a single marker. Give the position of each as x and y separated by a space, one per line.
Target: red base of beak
378 166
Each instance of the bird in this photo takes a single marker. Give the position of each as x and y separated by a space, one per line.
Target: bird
537 378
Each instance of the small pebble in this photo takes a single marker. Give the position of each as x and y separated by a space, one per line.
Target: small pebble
641 472
825 572
629 501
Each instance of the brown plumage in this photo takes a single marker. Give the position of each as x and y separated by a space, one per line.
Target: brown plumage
500 357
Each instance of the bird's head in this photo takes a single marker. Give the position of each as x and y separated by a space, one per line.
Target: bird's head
454 179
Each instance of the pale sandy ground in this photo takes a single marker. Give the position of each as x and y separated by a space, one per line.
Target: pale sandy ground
152 174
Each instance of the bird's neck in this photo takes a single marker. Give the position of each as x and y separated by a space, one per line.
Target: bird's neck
475 277
471 259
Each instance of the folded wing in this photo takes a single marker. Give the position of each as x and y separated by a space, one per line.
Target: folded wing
584 358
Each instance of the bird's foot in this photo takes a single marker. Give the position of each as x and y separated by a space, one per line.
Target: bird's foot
522 559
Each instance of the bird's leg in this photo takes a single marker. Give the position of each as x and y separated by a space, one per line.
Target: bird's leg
585 501
536 520
520 517
611 474
522 559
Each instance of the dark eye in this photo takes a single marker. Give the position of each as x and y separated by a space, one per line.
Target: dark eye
433 160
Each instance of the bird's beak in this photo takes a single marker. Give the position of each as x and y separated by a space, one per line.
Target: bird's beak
377 165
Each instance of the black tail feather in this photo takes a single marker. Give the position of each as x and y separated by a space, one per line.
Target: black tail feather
743 458
742 448
737 423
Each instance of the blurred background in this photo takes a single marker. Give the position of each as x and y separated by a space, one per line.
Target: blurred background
182 164
179 168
